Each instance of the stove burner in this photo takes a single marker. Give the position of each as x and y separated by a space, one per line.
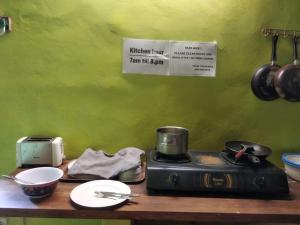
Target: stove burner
159 157
209 159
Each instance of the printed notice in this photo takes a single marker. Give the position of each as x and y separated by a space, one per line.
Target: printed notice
146 56
193 58
169 57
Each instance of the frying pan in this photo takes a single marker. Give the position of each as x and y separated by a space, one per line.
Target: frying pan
253 151
287 79
262 80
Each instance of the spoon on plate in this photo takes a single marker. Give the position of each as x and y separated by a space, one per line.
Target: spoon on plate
17 179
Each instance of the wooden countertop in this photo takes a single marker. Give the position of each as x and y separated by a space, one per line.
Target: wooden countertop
203 208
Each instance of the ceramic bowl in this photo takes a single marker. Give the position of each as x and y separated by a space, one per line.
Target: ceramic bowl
292 165
44 180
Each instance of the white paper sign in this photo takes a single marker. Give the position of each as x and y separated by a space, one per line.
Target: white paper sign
169 57
193 58
146 56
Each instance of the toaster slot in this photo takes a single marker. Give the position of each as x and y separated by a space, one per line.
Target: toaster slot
38 139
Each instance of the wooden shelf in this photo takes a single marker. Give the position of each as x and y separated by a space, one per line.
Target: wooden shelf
202 208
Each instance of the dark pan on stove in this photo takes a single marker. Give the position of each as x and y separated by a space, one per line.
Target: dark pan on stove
253 151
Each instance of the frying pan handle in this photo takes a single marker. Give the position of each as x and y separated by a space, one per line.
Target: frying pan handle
295 49
239 154
244 149
274 49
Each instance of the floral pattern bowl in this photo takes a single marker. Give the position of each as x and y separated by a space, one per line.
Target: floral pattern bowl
39 182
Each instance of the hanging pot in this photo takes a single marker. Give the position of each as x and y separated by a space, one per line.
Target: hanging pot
262 80
287 79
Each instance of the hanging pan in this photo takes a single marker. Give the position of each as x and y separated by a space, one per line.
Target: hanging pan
262 80
287 79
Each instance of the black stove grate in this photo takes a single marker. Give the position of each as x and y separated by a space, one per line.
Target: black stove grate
159 157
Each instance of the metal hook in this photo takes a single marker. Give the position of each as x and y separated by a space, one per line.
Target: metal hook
278 32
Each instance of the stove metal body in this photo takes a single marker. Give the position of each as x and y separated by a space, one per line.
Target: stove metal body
213 172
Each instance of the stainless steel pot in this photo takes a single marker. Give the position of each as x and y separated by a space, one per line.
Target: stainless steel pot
172 140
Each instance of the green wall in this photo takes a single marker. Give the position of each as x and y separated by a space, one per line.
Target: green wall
60 73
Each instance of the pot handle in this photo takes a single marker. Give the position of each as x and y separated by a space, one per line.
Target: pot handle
274 50
295 50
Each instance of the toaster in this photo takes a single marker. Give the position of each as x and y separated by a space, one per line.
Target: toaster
39 151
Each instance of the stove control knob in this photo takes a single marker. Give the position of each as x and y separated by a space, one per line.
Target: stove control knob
174 178
259 182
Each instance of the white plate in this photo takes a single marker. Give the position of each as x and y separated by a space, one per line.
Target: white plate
84 194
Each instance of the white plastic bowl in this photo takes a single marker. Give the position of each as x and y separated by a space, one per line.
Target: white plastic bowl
44 181
292 165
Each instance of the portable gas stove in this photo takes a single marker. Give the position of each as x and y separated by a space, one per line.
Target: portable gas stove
199 171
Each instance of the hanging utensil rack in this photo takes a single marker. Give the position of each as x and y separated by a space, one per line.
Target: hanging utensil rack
280 32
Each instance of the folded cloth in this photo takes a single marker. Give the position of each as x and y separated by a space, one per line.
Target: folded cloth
98 163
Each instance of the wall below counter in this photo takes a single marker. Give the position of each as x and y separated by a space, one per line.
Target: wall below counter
61 75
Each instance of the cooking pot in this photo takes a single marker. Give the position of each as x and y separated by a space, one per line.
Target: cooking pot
262 80
287 79
172 140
